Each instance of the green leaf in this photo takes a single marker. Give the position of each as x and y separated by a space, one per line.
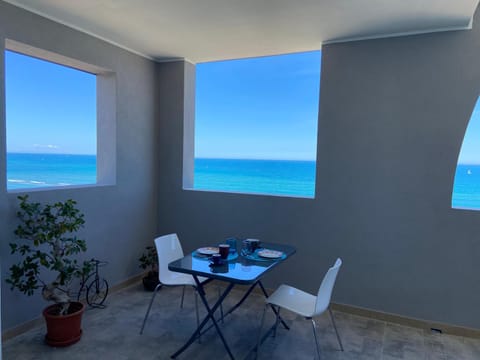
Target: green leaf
46 240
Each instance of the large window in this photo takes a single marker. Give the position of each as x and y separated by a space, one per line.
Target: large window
466 187
256 124
51 118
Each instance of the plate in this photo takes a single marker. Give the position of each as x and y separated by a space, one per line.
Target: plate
209 250
271 254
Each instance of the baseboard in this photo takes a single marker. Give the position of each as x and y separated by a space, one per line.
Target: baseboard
408 321
37 322
384 316
22 328
126 283
349 309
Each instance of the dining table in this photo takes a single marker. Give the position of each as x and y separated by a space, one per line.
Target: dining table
241 267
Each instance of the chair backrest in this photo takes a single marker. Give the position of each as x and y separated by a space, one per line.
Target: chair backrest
326 288
168 250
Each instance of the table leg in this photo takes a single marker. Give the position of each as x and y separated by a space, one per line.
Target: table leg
273 307
245 296
210 316
240 302
233 308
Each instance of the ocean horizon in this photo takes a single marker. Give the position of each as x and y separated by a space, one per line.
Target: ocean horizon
34 171
466 188
254 176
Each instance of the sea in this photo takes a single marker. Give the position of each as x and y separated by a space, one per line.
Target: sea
31 171
466 188
273 177
276 177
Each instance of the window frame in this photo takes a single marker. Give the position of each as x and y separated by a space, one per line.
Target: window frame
105 114
189 139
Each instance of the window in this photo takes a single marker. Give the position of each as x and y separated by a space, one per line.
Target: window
52 104
256 125
466 187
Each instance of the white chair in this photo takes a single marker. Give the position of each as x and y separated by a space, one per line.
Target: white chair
169 249
305 304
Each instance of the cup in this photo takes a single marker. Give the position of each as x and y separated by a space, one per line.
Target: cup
233 245
255 244
216 259
251 245
224 250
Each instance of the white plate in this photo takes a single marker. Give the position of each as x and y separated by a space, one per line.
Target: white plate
209 250
271 254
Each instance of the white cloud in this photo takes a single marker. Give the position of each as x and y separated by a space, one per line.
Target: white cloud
49 146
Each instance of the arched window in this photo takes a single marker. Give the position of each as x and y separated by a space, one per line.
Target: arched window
466 187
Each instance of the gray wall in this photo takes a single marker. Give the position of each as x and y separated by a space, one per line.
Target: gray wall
392 117
120 219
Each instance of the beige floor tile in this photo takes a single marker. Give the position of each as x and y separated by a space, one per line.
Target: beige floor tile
113 333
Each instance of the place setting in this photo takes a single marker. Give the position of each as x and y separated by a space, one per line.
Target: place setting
206 251
252 250
218 255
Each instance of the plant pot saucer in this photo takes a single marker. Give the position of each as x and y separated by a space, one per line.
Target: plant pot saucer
63 343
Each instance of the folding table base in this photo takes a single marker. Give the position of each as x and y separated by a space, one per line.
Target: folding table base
211 312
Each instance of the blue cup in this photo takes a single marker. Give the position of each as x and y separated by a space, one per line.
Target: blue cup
216 260
250 245
233 245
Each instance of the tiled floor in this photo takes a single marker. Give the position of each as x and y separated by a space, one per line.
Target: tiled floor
113 333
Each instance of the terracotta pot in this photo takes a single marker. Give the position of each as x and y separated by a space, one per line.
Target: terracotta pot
63 330
150 281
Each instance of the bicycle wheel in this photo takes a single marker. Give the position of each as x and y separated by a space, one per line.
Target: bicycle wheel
83 287
97 292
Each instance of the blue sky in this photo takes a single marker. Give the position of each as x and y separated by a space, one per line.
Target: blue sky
470 152
258 108
50 108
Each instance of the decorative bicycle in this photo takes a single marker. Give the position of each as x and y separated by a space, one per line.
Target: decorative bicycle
96 287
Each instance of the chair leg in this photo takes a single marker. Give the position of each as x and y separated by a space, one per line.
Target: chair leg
259 338
335 327
183 295
150 306
277 320
196 312
221 306
314 326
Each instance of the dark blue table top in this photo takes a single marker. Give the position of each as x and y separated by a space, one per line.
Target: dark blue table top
241 270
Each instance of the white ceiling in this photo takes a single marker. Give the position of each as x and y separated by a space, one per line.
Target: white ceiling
205 30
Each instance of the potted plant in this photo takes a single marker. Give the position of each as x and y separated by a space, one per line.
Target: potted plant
46 240
149 260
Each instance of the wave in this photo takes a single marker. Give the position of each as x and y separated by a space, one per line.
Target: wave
31 182
17 181
34 183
